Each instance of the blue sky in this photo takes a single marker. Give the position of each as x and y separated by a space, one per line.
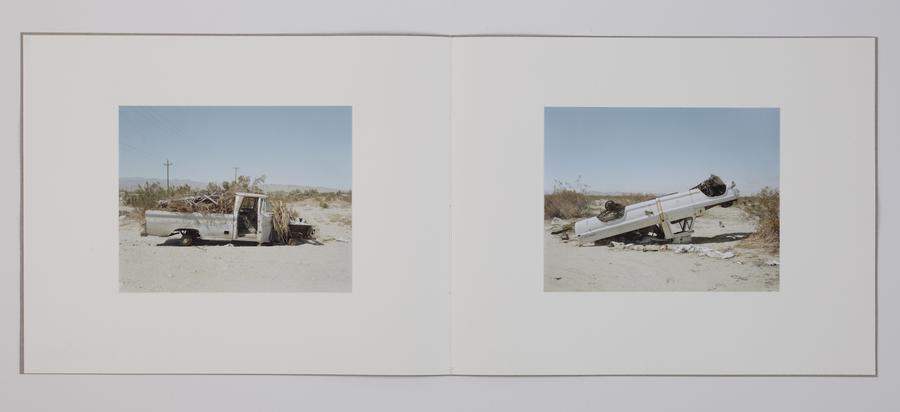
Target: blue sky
660 150
301 145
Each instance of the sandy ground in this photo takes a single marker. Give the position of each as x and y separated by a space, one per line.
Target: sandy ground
568 267
155 264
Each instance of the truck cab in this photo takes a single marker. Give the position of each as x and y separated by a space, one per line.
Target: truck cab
252 218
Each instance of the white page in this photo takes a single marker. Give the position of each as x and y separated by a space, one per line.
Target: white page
395 319
822 318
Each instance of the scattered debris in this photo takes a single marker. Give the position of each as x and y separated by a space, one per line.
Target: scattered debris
560 226
637 247
703 251
773 262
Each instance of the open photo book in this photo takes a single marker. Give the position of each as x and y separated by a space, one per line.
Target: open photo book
435 205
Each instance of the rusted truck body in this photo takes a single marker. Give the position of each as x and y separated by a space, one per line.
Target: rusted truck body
251 221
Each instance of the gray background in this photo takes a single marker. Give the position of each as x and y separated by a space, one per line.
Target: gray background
635 18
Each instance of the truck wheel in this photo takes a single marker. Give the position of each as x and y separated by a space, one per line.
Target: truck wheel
187 239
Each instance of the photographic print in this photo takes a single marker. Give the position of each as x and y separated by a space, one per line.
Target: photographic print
235 199
661 199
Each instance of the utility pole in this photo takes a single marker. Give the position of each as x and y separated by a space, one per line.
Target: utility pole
235 173
167 164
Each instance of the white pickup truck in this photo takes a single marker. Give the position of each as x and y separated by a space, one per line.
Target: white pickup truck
251 221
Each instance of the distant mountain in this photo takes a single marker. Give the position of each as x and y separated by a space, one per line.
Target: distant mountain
131 183
274 187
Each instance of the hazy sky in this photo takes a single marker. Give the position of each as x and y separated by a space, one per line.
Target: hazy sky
660 150
300 145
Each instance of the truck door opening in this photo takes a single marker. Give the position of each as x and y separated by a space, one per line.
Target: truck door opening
247 222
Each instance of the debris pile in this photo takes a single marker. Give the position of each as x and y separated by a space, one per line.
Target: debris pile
218 202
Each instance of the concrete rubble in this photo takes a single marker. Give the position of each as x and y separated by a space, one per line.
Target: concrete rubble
636 247
703 251
699 250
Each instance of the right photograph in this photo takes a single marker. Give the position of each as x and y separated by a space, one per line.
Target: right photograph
658 199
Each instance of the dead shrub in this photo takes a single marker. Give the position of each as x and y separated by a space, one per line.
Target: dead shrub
567 201
282 214
145 197
764 207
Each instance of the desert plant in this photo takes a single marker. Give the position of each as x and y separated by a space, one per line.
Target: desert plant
145 197
242 184
282 214
567 201
764 207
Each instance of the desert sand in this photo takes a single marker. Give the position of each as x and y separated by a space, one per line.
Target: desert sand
156 264
568 267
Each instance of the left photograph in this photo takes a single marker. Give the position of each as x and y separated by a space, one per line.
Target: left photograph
235 198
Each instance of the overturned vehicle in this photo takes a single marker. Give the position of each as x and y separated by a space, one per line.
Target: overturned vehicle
668 218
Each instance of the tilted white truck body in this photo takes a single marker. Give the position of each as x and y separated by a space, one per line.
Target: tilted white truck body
661 211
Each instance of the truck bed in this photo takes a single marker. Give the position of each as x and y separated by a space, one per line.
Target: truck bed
211 226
